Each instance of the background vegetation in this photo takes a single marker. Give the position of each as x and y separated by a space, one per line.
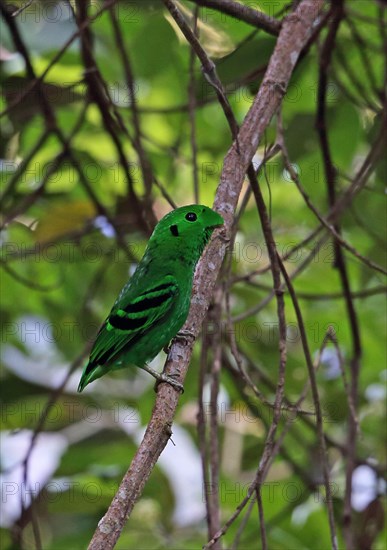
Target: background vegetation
107 122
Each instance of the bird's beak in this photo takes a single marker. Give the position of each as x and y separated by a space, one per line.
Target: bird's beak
217 220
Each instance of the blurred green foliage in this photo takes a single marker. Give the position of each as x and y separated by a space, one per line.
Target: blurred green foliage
63 270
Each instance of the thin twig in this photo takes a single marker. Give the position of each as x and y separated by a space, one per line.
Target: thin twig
22 8
192 111
243 13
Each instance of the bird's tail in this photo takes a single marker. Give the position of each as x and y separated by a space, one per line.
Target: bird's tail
82 383
90 373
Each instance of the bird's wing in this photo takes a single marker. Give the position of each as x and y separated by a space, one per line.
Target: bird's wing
131 318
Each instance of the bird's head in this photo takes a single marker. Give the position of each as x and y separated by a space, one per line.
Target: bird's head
189 227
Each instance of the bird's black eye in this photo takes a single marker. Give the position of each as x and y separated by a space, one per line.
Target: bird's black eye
191 217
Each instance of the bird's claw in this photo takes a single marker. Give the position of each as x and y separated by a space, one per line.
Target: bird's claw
167 349
161 377
169 380
223 238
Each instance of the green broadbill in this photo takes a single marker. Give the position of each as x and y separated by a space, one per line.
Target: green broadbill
154 304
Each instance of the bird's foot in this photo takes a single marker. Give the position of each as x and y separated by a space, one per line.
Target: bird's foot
161 377
169 380
167 349
223 238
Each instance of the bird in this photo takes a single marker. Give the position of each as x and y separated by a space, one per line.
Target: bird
154 304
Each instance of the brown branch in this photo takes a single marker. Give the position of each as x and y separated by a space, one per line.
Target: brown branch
243 13
296 30
210 72
22 8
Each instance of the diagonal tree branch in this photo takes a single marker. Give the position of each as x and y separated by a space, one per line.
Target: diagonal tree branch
295 33
244 13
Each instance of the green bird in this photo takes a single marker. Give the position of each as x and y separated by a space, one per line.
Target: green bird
153 306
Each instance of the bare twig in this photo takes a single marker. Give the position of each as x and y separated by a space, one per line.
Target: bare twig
243 13
22 8
191 113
